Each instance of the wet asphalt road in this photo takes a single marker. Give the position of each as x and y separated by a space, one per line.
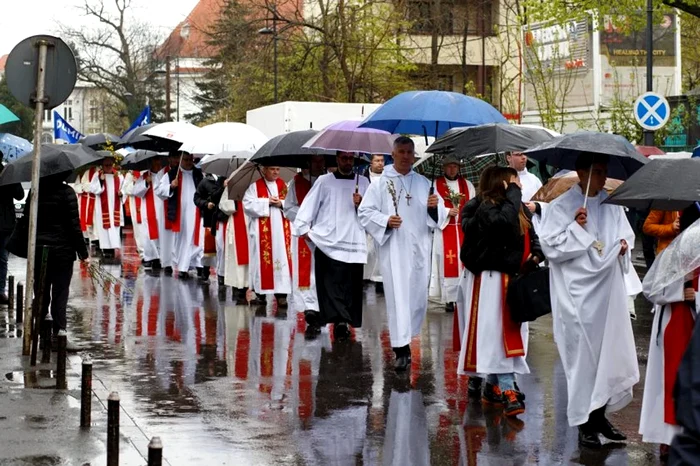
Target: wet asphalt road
223 383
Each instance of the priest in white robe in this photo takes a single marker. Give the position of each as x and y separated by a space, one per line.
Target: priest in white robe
531 184
304 296
106 186
455 191
134 204
270 237
86 201
328 218
372 268
235 238
183 217
592 328
152 214
401 214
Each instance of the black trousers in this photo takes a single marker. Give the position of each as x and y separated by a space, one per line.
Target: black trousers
56 287
339 290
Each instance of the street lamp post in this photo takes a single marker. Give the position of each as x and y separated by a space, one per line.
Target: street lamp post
649 135
273 31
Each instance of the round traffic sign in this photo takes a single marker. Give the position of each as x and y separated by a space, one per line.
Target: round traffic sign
652 111
22 67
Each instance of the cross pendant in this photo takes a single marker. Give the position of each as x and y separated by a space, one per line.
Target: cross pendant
408 198
599 246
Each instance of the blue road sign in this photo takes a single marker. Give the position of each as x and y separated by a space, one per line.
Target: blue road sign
651 110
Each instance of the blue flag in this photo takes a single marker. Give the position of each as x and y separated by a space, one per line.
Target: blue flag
143 119
64 131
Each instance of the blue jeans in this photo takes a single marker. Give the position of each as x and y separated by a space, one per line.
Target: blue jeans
4 238
504 381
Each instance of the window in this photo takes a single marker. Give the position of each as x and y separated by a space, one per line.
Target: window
68 110
421 17
46 138
47 116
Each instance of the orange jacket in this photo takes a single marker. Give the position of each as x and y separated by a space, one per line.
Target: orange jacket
659 224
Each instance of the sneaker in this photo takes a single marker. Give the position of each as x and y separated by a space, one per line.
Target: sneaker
492 395
513 406
474 386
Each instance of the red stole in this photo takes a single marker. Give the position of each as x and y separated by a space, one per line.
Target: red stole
512 338
677 336
452 235
151 212
240 234
302 186
136 175
104 202
267 266
87 204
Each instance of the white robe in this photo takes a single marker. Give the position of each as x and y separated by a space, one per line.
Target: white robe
110 238
404 252
138 228
652 426
440 286
256 208
235 275
186 254
592 328
531 184
152 247
302 299
372 269
82 186
490 355
406 440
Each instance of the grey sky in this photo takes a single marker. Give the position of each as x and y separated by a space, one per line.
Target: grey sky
17 23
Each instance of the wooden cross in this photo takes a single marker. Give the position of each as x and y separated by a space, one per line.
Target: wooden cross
451 256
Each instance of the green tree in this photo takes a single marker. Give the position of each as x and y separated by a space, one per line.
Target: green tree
24 128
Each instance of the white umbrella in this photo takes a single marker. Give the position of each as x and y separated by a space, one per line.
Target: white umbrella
219 137
177 131
224 163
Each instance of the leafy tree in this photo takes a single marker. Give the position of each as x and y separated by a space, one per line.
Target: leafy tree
24 128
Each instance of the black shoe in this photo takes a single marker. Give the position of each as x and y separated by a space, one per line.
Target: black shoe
312 331
312 318
492 395
4 300
155 264
220 279
402 362
281 300
341 332
379 287
183 275
610 432
168 270
450 307
588 438
147 264
474 386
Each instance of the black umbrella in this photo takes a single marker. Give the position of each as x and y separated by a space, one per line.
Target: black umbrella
286 150
662 184
140 160
249 173
562 152
55 159
491 138
100 140
136 139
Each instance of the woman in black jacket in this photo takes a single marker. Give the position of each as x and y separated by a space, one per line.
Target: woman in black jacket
58 229
499 242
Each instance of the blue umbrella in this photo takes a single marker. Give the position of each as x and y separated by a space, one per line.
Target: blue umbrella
6 116
431 113
696 152
13 147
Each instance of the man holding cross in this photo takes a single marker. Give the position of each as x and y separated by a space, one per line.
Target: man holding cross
587 244
401 212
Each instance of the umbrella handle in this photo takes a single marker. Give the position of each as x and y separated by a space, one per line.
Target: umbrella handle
357 183
588 188
263 177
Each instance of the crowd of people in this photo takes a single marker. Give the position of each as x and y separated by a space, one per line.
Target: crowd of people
312 245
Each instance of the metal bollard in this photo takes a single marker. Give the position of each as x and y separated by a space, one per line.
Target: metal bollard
46 331
61 383
113 429
19 308
10 291
155 452
86 394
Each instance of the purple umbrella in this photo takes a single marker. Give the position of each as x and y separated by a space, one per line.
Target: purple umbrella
346 136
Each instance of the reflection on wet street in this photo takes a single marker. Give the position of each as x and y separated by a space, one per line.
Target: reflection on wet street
223 383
